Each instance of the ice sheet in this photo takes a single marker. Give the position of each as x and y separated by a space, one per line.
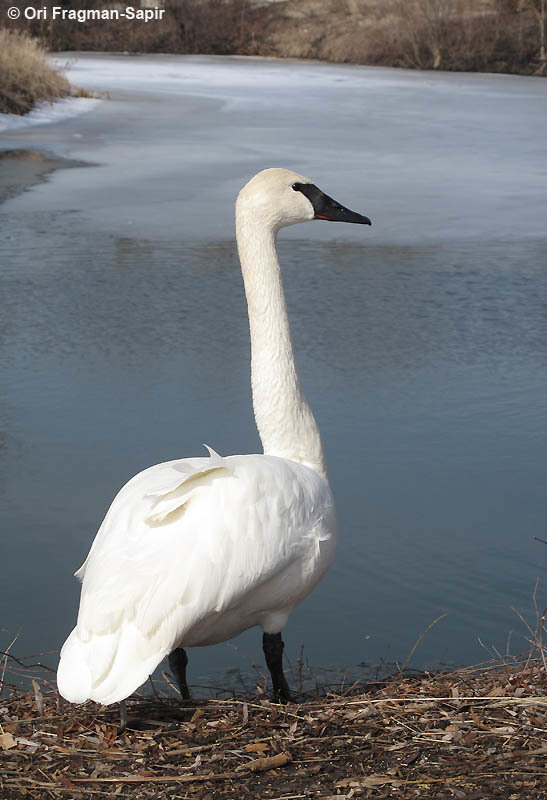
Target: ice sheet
429 156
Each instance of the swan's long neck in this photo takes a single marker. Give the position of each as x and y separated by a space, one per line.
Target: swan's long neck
284 419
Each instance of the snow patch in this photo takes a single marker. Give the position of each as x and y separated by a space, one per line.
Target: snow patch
47 113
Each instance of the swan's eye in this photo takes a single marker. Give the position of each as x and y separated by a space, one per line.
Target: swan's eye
297 187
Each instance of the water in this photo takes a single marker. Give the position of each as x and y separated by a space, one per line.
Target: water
421 343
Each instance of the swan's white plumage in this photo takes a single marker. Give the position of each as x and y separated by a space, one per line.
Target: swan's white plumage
244 539
194 551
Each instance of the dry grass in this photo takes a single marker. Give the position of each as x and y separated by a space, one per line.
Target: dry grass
475 733
25 76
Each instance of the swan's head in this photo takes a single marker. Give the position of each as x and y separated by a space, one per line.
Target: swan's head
278 197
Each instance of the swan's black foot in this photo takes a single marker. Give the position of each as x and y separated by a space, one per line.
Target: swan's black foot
272 644
177 663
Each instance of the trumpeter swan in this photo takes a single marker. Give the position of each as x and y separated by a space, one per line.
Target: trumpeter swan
194 551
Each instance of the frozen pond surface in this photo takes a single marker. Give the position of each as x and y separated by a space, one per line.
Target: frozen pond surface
421 342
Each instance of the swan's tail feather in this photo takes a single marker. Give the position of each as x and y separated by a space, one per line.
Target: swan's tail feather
73 675
107 668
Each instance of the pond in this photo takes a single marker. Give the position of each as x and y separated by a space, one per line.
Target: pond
421 342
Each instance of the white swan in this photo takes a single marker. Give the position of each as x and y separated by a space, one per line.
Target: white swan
194 551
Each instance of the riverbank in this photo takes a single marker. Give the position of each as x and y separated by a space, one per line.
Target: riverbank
457 35
506 37
479 732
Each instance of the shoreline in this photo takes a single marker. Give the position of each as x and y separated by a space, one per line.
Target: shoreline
22 168
476 732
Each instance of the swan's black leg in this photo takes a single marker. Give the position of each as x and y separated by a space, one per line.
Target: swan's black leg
272 644
177 662
123 715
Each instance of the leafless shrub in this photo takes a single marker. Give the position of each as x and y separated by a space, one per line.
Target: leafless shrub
540 8
454 35
186 26
216 27
95 34
459 35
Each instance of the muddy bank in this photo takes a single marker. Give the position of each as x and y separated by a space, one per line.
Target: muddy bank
22 169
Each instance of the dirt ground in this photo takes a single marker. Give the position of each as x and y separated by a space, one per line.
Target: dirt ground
477 733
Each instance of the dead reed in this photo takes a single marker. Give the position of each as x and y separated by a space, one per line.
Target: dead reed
25 76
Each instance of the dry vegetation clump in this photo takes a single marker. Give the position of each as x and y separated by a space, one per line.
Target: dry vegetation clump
475 733
25 76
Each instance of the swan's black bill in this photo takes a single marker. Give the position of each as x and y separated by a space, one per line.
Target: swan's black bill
327 208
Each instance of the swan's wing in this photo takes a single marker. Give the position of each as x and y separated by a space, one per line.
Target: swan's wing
182 544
